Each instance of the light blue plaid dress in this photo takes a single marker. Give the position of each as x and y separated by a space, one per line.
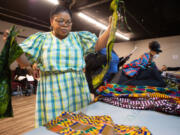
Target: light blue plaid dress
62 85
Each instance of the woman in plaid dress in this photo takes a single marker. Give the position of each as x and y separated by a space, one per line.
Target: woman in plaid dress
59 54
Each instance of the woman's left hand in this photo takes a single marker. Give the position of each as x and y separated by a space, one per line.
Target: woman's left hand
110 20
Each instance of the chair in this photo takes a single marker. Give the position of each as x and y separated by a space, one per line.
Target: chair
16 86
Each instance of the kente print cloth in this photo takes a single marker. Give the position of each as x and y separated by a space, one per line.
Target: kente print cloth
168 105
114 90
81 124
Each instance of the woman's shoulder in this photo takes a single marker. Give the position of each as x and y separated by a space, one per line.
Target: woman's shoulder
81 33
41 34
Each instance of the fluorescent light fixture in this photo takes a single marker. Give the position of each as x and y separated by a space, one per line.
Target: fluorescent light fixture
100 25
121 36
55 2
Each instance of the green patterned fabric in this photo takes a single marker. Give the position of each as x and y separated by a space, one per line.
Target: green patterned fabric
9 53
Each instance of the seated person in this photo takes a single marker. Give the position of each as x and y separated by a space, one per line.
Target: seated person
22 76
5 34
143 71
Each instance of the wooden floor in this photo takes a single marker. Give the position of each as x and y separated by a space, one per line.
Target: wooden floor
23 120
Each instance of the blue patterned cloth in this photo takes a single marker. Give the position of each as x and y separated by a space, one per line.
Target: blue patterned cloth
113 67
62 85
132 68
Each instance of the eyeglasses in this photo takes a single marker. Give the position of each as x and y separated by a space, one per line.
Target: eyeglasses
61 22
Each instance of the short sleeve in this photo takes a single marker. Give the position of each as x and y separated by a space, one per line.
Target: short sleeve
32 46
87 41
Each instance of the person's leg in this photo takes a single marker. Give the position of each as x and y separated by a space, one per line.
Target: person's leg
158 77
123 78
144 74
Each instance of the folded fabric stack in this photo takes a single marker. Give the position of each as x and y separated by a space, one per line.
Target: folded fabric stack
80 124
141 97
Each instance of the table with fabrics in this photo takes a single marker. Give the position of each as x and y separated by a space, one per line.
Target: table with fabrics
157 123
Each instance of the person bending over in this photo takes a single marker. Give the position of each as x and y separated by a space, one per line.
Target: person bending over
143 71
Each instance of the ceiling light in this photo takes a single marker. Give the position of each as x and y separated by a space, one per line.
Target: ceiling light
122 36
55 2
100 25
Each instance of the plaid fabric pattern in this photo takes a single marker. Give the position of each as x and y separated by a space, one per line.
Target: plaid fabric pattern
53 54
81 124
133 68
63 85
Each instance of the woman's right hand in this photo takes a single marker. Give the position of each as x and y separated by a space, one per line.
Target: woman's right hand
36 71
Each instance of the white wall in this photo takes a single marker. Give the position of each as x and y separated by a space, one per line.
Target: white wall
169 45
25 31
123 49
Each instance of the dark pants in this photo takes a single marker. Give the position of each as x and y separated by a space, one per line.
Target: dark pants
147 77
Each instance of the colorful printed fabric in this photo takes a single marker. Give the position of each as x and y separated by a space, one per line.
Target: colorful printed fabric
115 90
81 124
62 85
141 97
154 95
132 69
158 104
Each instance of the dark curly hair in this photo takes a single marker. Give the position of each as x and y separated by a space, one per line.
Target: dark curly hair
59 9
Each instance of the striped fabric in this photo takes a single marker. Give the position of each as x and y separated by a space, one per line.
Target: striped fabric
132 69
63 85
153 95
169 106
